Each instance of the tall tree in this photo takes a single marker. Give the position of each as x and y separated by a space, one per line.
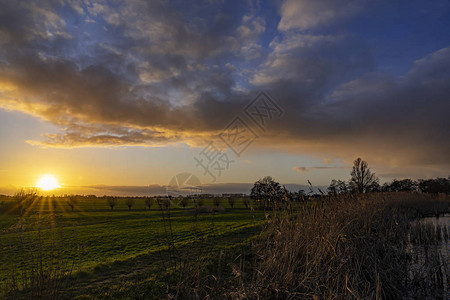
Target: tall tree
362 179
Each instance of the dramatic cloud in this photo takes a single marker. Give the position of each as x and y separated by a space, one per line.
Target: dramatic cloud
304 14
142 73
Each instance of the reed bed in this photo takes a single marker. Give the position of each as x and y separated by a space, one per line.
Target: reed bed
343 247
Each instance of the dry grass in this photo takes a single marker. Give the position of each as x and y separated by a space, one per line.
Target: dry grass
345 247
340 248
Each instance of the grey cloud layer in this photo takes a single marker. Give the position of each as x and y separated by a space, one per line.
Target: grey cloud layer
143 73
307 169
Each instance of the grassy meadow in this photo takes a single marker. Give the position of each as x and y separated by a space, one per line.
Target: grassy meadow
94 238
329 247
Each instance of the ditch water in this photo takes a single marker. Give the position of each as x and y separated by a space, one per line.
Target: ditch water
429 249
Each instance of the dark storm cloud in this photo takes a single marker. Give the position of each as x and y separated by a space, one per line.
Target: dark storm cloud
392 120
154 72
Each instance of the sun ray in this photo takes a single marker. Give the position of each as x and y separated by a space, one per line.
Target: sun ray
34 199
41 209
25 200
51 212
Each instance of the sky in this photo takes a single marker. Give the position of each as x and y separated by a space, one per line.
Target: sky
116 96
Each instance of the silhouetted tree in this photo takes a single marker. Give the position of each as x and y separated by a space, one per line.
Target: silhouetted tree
338 187
362 179
217 201
24 200
231 201
164 202
266 192
374 187
438 185
343 187
332 188
72 202
129 202
386 187
149 202
405 185
184 202
200 202
246 202
112 201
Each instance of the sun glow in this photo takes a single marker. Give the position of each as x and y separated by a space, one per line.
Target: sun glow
47 183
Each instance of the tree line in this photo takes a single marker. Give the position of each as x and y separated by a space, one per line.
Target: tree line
268 193
363 180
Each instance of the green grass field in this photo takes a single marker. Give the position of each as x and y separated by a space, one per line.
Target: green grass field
331 247
100 244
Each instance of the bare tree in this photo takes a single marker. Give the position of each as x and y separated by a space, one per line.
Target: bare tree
112 201
246 202
184 202
25 200
200 202
149 202
217 201
337 187
362 178
164 202
72 202
231 201
130 203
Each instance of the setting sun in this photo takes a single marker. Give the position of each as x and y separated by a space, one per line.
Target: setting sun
47 183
